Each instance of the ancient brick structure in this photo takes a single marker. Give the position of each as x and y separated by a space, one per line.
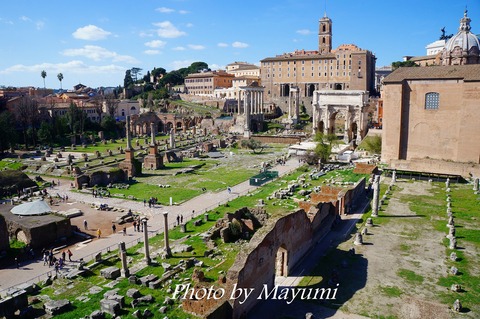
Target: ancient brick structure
153 160
3 234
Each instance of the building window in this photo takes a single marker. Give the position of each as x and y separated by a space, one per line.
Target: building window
431 101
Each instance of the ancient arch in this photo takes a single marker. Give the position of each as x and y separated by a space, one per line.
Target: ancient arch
351 104
21 236
311 89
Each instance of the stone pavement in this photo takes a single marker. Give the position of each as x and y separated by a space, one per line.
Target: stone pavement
35 271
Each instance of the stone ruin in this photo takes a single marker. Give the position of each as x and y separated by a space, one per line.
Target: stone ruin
241 224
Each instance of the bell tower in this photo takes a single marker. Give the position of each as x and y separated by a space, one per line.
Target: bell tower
325 35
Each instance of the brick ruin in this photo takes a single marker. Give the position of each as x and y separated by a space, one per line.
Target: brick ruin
273 250
276 248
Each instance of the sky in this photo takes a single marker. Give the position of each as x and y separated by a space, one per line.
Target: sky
95 42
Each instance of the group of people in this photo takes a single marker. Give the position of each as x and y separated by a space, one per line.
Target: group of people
179 220
52 261
152 201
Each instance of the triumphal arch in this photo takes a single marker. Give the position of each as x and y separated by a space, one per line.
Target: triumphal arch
329 106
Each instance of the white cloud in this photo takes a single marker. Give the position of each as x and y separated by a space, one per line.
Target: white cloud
164 10
181 64
97 53
144 34
304 32
179 49
222 45
155 44
216 67
183 11
6 21
40 25
74 66
196 46
90 32
25 18
151 52
167 30
189 25
240 45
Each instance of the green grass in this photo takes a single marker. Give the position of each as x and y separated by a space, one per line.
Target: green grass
410 275
8 163
391 291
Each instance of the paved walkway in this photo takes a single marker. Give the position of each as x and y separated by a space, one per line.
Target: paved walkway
36 271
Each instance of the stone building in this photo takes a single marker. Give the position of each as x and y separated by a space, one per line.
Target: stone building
346 68
204 83
4 240
431 119
36 231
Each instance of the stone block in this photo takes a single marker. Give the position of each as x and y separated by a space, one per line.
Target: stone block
133 293
109 306
110 272
147 279
55 307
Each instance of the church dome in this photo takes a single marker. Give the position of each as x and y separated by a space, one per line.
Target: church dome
464 45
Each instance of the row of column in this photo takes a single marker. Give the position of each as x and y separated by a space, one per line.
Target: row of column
252 101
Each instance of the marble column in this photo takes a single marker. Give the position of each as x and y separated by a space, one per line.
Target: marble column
394 176
376 195
125 272
145 241
152 133
168 252
127 129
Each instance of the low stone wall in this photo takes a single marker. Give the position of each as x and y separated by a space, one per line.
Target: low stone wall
278 139
437 167
256 265
348 198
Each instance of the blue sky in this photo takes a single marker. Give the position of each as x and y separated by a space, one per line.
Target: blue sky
94 42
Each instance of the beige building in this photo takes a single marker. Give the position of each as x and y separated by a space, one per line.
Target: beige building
346 68
204 83
431 119
243 69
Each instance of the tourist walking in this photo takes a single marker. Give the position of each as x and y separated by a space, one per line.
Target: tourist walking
99 233
69 252
85 224
114 228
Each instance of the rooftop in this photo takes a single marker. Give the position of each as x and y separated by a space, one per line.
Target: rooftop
469 72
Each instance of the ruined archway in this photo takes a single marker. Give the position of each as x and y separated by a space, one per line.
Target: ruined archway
352 133
21 236
281 262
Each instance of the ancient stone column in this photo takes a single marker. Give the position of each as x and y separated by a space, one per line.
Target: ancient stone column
145 241
123 258
168 252
394 176
447 183
376 195
476 184
127 129
172 139
152 133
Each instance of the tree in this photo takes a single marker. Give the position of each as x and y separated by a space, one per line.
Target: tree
112 104
26 114
254 145
97 102
44 75
44 133
60 78
373 144
8 135
128 80
325 144
135 73
399 64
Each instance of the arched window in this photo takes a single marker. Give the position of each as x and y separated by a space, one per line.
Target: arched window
432 100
